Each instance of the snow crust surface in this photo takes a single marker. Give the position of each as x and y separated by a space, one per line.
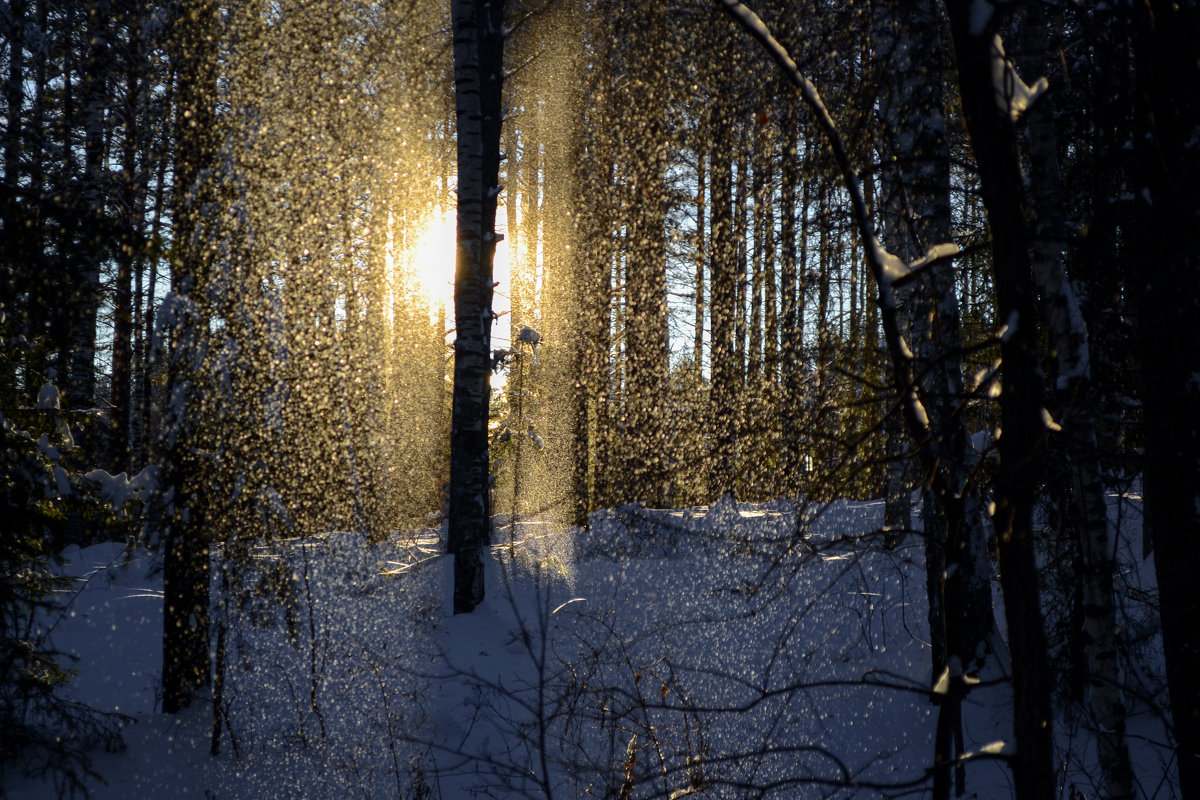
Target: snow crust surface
703 651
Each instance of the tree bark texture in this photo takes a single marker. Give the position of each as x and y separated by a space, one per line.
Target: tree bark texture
647 344
791 333
478 75
701 251
92 241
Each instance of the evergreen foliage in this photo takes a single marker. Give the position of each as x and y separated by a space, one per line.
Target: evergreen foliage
45 505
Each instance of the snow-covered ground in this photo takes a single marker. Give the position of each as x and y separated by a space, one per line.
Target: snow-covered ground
711 652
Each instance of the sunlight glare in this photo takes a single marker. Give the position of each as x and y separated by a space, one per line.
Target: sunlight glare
433 268
434 260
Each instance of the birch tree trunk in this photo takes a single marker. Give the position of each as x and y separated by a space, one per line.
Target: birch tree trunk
478 78
916 216
989 121
1068 336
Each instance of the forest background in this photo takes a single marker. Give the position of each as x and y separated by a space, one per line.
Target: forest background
941 283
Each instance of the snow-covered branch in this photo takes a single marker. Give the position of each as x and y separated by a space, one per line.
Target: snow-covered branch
896 270
1013 95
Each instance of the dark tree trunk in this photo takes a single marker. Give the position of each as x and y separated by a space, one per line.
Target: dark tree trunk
1088 512
185 539
15 261
916 203
825 265
790 328
701 253
754 364
14 92
479 71
989 123
723 275
1167 48
741 210
770 286
647 341
132 192
81 384
146 393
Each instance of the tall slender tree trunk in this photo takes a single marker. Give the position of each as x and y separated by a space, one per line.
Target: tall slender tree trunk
81 384
916 190
601 362
891 212
529 306
186 661
515 237
478 75
741 211
561 358
989 122
770 285
791 334
15 264
825 266
723 275
1068 336
14 91
132 196
701 250
1167 49
754 366
149 301
647 349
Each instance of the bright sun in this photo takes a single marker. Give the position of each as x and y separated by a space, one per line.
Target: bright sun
434 259
433 262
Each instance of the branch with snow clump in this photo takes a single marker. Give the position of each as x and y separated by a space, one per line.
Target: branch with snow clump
529 336
895 270
1013 95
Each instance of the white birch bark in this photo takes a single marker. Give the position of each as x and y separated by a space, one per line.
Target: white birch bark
1069 341
917 217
